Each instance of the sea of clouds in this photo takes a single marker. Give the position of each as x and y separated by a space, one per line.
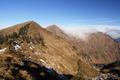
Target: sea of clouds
83 32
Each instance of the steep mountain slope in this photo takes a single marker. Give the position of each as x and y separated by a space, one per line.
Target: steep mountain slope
99 49
41 46
104 48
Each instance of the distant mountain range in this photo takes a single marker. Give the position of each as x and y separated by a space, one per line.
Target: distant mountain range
53 54
115 34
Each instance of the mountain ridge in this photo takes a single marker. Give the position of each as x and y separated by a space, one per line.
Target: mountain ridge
50 47
55 49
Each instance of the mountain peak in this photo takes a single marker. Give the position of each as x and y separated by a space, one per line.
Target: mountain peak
29 22
53 27
42 45
57 31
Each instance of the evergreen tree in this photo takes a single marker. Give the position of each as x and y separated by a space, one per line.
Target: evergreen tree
15 35
2 39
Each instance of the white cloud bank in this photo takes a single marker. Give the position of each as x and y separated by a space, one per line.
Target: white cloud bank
83 32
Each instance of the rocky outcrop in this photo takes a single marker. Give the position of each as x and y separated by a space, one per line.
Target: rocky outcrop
14 67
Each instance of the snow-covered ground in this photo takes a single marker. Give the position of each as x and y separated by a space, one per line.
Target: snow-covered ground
2 50
17 47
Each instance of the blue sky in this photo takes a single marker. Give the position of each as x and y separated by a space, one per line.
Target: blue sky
67 13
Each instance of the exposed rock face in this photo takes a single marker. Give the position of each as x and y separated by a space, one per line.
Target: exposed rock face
17 67
109 71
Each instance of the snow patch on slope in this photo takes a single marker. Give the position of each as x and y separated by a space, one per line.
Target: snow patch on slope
2 50
17 47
